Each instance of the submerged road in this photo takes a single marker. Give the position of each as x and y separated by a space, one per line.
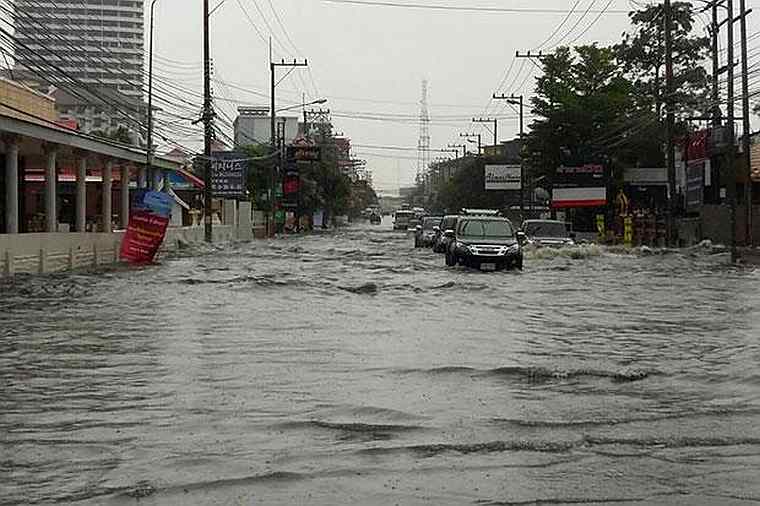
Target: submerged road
353 369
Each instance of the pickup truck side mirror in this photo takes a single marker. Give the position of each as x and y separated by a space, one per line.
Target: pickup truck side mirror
521 237
449 233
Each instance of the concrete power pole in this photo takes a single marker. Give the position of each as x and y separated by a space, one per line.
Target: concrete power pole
731 185
207 127
495 127
518 100
746 125
273 126
714 31
670 151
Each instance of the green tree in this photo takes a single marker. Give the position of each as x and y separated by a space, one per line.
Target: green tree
579 99
642 56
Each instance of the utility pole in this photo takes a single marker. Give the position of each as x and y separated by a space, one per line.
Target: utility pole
519 101
715 29
207 127
473 136
538 56
731 188
746 126
273 125
456 149
149 161
495 127
670 150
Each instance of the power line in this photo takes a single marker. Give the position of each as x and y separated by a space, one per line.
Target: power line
559 27
596 20
512 10
577 22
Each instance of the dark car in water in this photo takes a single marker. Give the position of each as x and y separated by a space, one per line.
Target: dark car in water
547 233
425 232
403 219
440 241
485 243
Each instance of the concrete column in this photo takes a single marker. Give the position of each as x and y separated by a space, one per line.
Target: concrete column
51 184
124 196
82 195
107 189
11 186
142 177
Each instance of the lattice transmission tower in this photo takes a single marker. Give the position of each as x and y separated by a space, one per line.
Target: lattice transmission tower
423 146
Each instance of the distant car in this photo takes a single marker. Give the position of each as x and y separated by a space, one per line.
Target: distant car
425 232
547 233
487 243
375 219
441 241
402 220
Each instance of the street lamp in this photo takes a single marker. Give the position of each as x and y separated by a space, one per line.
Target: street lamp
149 154
314 102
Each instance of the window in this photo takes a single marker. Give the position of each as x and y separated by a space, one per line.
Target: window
486 228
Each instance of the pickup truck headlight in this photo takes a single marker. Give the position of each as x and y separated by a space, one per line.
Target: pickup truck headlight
514 249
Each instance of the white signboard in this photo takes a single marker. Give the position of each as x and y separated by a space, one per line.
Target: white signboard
503 177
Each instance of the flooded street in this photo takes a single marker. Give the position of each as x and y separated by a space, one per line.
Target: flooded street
353 369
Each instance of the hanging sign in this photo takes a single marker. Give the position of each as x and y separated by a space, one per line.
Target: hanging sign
229 171
148 220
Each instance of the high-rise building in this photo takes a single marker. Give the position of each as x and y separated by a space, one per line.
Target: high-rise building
97 43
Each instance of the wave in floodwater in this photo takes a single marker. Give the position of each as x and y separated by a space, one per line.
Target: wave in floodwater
360 370
539 374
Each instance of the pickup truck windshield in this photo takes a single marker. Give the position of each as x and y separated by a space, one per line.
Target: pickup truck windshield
486 228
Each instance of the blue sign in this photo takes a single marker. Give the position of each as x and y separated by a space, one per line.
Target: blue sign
158 203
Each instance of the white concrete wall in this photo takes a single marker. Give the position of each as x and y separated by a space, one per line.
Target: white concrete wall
40 253
43 253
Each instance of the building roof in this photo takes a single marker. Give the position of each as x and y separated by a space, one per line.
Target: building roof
57 134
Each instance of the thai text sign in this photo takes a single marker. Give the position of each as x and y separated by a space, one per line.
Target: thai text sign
303 153
582 186
228 175
148 220
503 177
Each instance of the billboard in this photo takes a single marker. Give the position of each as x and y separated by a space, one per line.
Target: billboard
583 186
229 171
149 217
503 177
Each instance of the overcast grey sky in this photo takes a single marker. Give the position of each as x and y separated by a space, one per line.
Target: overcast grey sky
370 61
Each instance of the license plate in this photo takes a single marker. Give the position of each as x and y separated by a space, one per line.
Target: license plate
488 267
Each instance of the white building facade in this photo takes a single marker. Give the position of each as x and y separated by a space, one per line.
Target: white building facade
254 126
